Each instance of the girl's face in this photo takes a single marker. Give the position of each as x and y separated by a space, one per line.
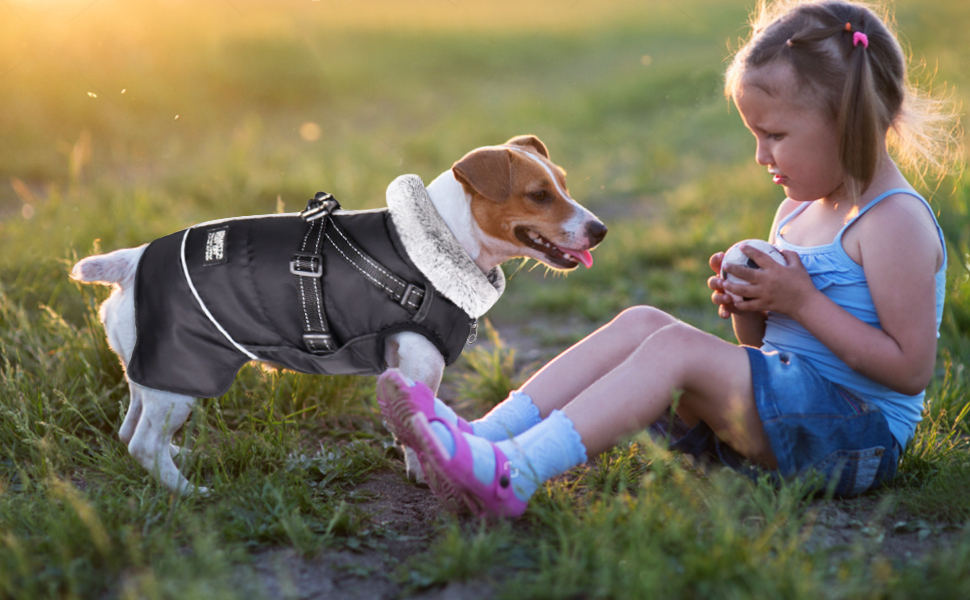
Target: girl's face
796 140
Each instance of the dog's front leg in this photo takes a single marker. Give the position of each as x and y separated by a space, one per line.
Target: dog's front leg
416 357
419 360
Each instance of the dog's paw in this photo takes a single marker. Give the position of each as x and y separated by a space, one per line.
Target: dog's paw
201 491
196 491
414 470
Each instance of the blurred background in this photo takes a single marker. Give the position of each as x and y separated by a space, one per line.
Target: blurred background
123 121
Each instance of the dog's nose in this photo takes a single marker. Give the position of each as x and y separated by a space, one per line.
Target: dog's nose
595 232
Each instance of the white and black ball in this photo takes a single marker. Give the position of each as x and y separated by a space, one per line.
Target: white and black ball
734 256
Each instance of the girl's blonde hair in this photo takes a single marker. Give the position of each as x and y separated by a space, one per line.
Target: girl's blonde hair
862 84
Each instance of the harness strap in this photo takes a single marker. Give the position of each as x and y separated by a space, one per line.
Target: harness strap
406 294
307 265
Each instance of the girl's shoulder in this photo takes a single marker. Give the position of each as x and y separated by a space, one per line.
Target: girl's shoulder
900 222
787 207
902 211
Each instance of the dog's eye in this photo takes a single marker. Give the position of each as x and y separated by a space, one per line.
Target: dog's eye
540 197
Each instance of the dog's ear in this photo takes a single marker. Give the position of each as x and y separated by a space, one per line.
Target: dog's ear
488 171
529 140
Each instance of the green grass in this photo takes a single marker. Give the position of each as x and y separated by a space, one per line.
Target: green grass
486 374
123 122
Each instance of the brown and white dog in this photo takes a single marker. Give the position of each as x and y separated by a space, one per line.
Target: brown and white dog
494 204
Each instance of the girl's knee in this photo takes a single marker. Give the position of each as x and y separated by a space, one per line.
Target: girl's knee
680 333
684 347
641 322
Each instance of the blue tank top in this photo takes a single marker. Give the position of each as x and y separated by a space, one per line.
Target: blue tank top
844 282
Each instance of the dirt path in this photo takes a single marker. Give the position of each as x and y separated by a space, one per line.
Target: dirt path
408 516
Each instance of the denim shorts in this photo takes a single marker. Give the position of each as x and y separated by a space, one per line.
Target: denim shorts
817 429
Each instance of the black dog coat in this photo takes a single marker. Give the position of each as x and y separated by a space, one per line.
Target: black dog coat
218 295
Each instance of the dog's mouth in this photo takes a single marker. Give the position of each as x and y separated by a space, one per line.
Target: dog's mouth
556 256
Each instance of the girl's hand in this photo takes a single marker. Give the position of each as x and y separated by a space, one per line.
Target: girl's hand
725 305
775 287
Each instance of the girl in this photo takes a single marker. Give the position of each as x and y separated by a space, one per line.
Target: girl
837 347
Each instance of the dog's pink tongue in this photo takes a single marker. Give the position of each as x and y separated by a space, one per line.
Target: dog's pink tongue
582 256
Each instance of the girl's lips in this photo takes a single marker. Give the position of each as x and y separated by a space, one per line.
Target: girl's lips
779 179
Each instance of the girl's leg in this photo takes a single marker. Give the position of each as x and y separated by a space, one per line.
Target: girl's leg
568 374
576 369
714 377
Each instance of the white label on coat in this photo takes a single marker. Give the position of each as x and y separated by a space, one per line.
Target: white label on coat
215 246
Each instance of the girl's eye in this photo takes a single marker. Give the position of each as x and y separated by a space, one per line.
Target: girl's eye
775 136
540 197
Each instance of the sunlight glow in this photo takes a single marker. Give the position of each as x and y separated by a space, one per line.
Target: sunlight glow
310 132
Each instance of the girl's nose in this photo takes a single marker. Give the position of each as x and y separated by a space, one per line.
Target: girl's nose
762 156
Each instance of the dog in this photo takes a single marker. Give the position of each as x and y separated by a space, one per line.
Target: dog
189 309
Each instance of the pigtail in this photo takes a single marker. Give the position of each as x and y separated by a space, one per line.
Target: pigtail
861 118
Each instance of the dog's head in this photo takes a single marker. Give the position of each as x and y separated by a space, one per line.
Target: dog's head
520 201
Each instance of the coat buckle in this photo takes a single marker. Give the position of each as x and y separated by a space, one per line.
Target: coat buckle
306 264
319 343
321 205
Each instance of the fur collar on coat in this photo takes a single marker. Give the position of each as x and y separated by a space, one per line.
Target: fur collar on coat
436 252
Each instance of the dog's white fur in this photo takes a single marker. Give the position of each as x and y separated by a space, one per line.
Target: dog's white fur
154 416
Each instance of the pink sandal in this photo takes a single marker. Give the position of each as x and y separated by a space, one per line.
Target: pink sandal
400 399
453 479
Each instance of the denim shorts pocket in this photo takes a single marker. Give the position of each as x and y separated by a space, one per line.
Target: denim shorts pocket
853 404
856 470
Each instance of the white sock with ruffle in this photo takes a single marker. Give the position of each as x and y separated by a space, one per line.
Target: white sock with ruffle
515 415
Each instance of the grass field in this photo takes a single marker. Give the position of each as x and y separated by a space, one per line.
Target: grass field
121 122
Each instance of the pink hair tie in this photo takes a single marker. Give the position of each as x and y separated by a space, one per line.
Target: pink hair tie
860 37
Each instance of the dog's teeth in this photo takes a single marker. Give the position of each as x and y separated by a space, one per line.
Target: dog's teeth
544 244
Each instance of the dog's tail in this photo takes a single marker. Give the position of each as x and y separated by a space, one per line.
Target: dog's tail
116 267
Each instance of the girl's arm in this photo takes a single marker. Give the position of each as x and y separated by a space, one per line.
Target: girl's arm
749 326
900 253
